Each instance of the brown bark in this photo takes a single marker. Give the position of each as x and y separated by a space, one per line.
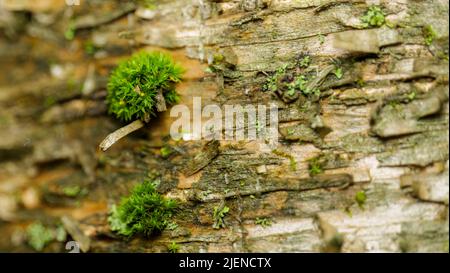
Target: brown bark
382 128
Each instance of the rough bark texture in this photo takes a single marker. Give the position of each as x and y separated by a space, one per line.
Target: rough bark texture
382 128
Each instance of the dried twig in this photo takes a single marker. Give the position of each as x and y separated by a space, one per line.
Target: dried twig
120 133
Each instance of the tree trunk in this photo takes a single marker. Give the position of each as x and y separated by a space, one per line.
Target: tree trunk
377 134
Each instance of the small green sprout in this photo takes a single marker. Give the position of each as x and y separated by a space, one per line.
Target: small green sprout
374 17
166 151
90 48
148 4
264 222
292 164
360 83
442 55
39 236
315 167
72 191
361 198
305 62
412 95
60 234
173 247
69 34
429 34
145 212
292 161
205 194
272 81
338 73
172 225
321 39
299 83
219 215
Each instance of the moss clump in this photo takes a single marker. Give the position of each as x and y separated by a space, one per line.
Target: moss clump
374 17
72 191
144 212
173 247
361 198
338 73
315 166
295 80
272 81
39 236
134 86
429 34
292 161
166 151
219 215
264 222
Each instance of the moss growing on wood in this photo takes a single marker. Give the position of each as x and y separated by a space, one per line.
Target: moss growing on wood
218 216
360 198
144 212
374 17
429 34
137 84
292 161
264 222
173 247
39 236
315 166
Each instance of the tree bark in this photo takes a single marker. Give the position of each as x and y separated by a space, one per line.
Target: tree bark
381 128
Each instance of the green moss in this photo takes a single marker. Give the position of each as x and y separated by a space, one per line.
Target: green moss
144 212
60 234
374 17
72 191
305 61
219 215
315 167
173 247
272 81
166 151
442 55
412 95
292 161
39 236
321 39
429 34
148 4
292 79
338 73
264 222
172 226
69 34
49 101
90 48
218 58
292 164
135 83
360 83
361 198
299 83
